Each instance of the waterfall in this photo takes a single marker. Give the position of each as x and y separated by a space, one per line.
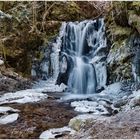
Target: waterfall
81 44
78 57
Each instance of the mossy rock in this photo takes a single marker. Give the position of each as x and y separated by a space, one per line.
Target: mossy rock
134 20
80 121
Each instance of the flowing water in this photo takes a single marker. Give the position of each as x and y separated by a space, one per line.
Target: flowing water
78 56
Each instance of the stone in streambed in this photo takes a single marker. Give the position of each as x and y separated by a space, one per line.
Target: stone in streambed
120 103
136 101
76 123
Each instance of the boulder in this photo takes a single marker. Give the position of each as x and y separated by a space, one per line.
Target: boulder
78 122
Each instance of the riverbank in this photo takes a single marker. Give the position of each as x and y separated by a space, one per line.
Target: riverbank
34 118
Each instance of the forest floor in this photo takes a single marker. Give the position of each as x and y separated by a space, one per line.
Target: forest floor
34 118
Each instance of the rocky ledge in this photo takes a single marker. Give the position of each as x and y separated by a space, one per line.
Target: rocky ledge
11 81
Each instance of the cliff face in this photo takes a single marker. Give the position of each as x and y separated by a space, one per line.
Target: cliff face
124 41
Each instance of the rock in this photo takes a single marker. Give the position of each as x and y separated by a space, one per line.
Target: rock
120 103
134 20
10 81
76 123
135 101
119 62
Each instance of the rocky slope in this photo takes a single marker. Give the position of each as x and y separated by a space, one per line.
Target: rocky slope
11 81
124 39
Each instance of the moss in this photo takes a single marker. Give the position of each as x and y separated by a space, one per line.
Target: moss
121 31
118 44
136 6
67 11
134 20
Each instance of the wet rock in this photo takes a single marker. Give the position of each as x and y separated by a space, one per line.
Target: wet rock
134 20
135 101
11 85
120 103
10 81
119 62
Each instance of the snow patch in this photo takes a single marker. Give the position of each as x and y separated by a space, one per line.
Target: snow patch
49 86
89 106
84 106
4 109
9 118
23 96
52 133
112 89
1 62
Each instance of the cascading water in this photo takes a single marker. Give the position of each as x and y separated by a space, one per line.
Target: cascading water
81 42
78 56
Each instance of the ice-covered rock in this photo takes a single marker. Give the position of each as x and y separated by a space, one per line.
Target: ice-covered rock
56 133
115 91
120 103
9 118
135 101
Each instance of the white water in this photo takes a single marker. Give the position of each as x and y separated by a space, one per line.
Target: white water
73 58
81 43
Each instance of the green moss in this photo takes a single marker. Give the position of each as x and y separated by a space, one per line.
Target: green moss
118 44
136 6
118 30
134 20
